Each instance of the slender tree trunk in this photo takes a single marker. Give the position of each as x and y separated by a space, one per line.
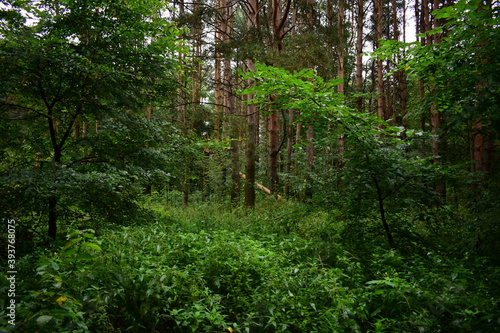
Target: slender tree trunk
289 150
252 7
438 142
290 131
250 159
273 121
57 148
310 161
279 16
340 46
359 54
403 82
435 115
218 90
377 8
53 200
229 104
420 13
398 89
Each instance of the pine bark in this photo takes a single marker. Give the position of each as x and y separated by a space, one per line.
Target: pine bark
377 8
279 16
252 21
359 54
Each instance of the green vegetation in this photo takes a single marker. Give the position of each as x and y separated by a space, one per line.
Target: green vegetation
281 268
225 166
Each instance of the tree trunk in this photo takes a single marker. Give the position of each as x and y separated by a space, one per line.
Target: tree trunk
218 90
438 141
340 46
53 216
229 104
310 162
289 150
250 162
377 8
252 116
273 150
279 17
359 55
483 146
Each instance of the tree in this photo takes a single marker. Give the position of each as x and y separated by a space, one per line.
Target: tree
461 66
252 22
379 22
95 62
360 14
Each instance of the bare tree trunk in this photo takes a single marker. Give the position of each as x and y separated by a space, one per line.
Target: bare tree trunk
310 161
229 104
359 54
403 83
438 142
218 90
273 125
377 8
340 46
250 156
279 17
252 7
289 149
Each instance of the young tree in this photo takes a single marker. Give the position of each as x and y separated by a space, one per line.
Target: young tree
378 167
94 62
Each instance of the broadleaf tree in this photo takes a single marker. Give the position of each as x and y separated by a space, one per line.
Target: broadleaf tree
78 78
379 163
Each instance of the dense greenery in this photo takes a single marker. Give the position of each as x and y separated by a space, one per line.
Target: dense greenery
126 188
208 269
76 85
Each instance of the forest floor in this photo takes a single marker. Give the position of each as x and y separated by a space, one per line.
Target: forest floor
279 268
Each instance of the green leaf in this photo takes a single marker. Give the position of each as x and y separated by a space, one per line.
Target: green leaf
85 256
93 246
71 243
42 320
88 235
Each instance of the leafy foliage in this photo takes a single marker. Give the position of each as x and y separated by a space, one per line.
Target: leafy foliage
78 80
378 168
229 275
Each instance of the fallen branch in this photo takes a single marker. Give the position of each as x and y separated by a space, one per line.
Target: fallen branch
261 187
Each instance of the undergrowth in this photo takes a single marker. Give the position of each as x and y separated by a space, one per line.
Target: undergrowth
280 268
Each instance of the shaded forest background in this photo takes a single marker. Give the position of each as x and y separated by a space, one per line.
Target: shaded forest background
363 134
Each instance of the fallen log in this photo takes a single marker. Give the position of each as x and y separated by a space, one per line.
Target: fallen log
261 187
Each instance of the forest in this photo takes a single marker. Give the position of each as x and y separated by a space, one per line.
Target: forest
250 166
